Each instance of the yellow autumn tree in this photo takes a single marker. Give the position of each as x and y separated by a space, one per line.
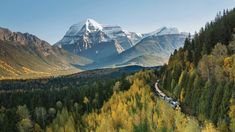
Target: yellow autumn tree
138 109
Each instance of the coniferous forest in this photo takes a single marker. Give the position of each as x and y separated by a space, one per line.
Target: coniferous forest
200 75
129 104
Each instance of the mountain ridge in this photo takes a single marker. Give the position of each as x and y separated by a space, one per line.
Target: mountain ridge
103 43
24 55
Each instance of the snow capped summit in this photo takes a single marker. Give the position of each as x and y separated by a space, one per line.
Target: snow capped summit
89 25
134 37
89 36
163 31
86 34
91 28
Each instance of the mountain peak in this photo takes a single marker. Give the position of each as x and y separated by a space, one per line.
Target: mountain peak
89 25
163 31
92 25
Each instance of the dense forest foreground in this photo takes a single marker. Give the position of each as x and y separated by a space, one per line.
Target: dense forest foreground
127 103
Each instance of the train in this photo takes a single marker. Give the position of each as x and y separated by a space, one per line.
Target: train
173 103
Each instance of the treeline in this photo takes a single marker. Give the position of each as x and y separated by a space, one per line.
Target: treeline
31 105
202 73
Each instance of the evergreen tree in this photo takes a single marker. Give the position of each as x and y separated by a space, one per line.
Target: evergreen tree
216 101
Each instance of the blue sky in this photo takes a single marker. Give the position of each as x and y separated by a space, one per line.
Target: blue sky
50 19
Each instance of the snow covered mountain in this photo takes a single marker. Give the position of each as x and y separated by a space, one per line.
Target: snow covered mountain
109 45
163 31
89 38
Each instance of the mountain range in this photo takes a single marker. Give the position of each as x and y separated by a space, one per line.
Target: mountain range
111 46
86 45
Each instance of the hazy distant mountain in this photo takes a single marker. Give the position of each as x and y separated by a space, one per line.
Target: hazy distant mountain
25 55
152 50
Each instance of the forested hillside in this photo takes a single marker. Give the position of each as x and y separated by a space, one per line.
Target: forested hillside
136 109
202 73
139 110
126 103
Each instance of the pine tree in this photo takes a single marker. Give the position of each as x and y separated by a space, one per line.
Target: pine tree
214 113
204 102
